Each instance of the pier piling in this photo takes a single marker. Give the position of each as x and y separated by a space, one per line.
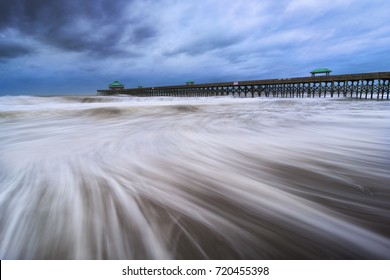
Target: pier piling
359 86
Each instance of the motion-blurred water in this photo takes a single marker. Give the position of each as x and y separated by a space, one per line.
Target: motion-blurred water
194 178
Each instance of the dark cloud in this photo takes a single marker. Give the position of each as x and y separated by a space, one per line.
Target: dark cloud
95 26
203 44
12 50
142 33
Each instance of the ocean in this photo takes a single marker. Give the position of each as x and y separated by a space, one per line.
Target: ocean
99 177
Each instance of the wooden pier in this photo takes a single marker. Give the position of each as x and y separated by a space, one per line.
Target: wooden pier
360 86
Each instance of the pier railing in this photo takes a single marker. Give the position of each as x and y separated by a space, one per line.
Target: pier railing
361 86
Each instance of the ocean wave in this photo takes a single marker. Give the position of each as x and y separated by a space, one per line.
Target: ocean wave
207 178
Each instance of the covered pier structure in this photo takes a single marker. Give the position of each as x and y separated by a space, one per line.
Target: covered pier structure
360 86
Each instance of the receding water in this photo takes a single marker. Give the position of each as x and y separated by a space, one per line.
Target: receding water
194 178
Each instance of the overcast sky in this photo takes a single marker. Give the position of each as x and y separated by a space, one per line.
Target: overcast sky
78 46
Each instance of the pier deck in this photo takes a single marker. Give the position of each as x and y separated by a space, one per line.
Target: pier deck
362 86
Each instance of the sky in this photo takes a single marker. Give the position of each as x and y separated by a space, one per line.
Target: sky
74 47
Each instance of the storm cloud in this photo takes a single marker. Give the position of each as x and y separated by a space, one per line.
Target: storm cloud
163 42
77 26
10 50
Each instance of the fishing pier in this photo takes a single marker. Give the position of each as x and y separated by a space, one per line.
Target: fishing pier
360 86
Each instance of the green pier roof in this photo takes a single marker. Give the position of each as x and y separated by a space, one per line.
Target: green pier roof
116 84
321 70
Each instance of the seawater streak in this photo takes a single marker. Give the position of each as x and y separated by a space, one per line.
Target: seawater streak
362 86
124 177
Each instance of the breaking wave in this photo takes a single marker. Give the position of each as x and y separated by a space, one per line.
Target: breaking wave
194 178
